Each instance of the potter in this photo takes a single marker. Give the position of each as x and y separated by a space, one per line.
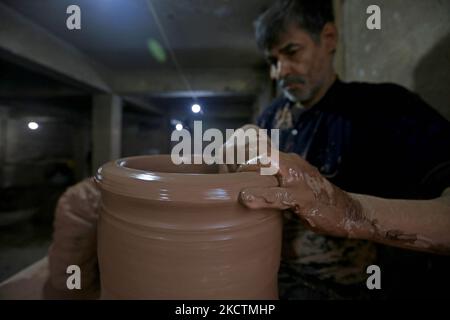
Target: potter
372 161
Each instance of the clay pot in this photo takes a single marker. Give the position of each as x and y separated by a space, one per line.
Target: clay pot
178 232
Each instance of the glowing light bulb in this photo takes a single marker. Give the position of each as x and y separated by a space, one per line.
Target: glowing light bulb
179 127
33 125
196 108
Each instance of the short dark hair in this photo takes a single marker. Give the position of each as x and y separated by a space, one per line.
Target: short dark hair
309 15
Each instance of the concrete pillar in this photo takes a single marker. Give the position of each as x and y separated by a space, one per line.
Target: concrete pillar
81 144
106 129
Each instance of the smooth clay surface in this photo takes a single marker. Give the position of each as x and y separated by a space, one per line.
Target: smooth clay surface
178 232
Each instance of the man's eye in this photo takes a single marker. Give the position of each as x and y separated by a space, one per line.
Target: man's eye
291 52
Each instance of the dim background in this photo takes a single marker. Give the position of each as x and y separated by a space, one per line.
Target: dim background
113 88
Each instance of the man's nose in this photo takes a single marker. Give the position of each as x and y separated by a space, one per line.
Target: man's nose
280 70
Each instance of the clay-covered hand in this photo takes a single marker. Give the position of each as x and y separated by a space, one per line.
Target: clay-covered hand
246 141
75 239
302 189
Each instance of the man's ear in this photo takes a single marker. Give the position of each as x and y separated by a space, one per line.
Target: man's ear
329 37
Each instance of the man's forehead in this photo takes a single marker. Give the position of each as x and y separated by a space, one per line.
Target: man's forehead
291 36
282 48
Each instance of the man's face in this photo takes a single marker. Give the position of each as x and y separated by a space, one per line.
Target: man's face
301 65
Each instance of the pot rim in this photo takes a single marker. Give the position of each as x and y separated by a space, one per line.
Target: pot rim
119 178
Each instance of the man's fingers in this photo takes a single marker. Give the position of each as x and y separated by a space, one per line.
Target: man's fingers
256 163
274 198
294 170
248 142
248 168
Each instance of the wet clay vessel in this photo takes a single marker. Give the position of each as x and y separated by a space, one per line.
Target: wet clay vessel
179 232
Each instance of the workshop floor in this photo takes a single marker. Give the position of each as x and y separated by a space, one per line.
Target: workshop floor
21 245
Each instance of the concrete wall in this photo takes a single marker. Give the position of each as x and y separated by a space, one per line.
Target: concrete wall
412 48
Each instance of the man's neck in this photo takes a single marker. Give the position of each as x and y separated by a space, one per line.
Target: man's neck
322 91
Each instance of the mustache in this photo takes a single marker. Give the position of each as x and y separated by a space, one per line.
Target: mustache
289 80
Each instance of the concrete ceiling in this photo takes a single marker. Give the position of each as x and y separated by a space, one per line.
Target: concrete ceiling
17 82
202 33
